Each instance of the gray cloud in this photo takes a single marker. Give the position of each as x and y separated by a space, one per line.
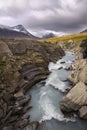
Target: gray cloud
66 16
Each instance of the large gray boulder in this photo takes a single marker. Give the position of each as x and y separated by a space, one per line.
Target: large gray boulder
75 99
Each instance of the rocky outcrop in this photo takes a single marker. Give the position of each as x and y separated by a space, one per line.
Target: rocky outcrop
83 112
79 71
23 63
76 99
84 48
4 49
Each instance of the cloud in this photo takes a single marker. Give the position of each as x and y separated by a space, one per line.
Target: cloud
65 16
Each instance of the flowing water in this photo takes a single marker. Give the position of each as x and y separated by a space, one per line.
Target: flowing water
47 95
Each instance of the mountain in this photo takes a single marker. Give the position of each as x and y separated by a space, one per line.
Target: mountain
18 32
20 28
84 31
48 35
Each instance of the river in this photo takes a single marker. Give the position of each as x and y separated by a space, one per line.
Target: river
46 97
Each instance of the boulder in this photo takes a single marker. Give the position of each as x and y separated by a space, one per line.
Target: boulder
75 99
33 126
83 112
79 71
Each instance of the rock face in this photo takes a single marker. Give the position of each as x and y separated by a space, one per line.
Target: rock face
22 64
83 112
84 48
4 48
76 98
79 71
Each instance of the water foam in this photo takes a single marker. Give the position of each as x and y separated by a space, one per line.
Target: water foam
50 110
54 81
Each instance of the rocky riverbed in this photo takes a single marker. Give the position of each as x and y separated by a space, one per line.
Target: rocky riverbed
23 63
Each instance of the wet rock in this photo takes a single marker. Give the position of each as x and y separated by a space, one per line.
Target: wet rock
8 128
33 126
62 62
17 109
27 108
60 68
75 99
23 101
22 123
83 112
67 68
12 119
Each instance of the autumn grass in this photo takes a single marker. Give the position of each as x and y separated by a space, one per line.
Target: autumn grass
74 37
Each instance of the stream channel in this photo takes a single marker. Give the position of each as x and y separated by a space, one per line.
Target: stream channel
46 97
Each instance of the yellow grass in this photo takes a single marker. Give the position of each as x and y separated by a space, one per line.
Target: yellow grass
74 37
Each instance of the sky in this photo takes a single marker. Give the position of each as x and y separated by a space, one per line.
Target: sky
45 16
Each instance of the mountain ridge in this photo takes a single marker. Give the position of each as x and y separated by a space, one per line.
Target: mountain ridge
18 31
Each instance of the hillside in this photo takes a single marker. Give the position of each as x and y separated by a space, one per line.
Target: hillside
23 63
74 37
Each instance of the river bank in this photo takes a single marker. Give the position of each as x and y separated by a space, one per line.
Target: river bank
46 97
76 99
23 63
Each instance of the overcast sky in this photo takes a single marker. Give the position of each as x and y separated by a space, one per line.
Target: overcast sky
40 16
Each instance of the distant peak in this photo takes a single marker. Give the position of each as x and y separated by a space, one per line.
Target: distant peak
20 28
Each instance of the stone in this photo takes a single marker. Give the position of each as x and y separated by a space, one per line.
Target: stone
8 128
83 46
26 108
75 99
22 123
19 94
1 113
83 75
79 71
33 126
83 112
24 101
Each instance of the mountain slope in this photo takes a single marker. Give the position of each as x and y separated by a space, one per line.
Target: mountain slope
20 28
85 31
75 37
48 35
18 32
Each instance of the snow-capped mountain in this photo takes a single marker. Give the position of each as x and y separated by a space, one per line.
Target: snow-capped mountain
20 28
15 32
